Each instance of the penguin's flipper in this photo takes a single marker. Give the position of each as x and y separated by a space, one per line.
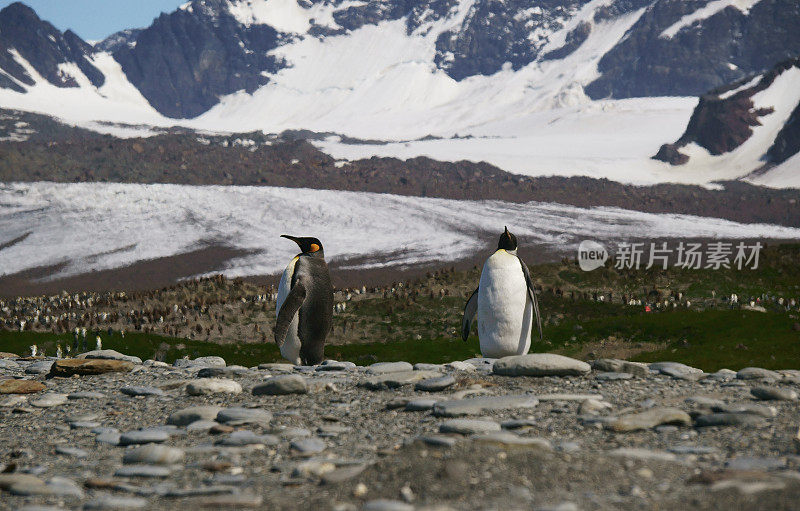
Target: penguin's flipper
288 310
532 295
470 309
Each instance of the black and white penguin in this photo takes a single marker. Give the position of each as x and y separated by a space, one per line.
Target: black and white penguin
304 305
505 303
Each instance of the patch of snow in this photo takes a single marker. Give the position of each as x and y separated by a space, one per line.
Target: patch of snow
287 15
785 175
746 85
710 9
96 226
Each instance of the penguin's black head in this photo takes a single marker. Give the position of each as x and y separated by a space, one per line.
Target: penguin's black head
309 246
507 241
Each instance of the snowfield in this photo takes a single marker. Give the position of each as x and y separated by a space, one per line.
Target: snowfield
96 226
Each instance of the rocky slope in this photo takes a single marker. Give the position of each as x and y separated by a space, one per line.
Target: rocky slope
534 432
727 118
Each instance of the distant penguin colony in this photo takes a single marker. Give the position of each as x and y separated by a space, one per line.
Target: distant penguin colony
504 302
304 304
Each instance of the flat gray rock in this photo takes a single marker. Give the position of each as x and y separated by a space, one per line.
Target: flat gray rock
613 365
438 440
282 385
728 419
677 370
143 471
110 355
649 419
394 380
195 413
420 405
242 438
757 373
755 409
468 426
773 393
201 362
540 364
334 366
308 446
201 425
506 439
387 505
153 454
86 395
692 449
222 372
72 451
142 391
39 367
56 487
389 367
478 405
435 384
208 386
241 416
568 397
49 400
114 502
145 436
613 376
755 463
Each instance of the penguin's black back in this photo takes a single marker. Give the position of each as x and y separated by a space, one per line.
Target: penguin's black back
315 317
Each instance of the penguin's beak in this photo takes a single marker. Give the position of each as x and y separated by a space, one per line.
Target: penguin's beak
293 238
506 228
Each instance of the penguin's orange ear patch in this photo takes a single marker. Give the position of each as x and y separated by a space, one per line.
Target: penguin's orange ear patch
314 247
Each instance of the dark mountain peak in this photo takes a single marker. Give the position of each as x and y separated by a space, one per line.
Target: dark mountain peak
19 11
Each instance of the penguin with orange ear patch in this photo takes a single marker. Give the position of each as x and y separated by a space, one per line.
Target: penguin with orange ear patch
305 304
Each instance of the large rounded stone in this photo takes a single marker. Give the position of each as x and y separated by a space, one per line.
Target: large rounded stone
154 454
540 364
110 355
241 416
282 385
195 413
650 419
206 386
73 366
468 426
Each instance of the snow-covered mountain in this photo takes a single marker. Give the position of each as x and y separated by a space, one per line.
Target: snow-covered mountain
751 124
566 87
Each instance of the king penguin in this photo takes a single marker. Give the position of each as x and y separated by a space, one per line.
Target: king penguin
304 305
505 303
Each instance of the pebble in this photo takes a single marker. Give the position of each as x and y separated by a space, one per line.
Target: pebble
460 366
113 502
692 449
642 454
755 463
593 407
342 474
757 373
540 364
518 424
478 405
195 413
650 419
389 367
438 440
436 384
773 393
277 367
468 426
144 436
308 446
21 386
763 411
207 386
154 454
56 486
87 367
142 391
421 366
568 397
110 355
282 385
332 365
49 400
241 416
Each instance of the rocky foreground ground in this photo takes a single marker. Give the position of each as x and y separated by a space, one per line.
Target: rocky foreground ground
539 431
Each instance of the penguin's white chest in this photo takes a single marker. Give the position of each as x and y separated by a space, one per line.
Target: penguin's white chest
290 349
505 312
